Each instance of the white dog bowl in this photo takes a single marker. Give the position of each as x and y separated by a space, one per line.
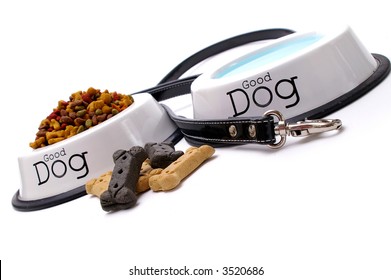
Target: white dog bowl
301 74
57 173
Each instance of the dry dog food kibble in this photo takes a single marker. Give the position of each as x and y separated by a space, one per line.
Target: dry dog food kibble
84 110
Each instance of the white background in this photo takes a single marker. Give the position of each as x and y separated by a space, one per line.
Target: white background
318 209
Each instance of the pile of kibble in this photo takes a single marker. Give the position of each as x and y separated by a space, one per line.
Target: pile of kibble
84 110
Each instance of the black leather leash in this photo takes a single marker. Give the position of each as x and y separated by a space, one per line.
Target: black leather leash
214 132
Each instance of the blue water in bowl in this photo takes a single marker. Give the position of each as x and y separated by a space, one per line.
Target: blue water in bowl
269 55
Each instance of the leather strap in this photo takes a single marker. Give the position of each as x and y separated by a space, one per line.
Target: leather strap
171 89
214 132
226 131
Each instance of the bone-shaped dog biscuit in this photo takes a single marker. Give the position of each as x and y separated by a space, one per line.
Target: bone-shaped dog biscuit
172 175
98 185
146 172
120 194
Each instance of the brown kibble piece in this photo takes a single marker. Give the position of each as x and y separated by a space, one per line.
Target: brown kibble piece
54 134
171 176
55 140
95 105
38 143
106 98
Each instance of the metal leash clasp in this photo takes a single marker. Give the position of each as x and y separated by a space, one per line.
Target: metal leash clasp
301 128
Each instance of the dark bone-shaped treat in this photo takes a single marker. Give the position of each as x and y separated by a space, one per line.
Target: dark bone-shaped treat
121 191
162 155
